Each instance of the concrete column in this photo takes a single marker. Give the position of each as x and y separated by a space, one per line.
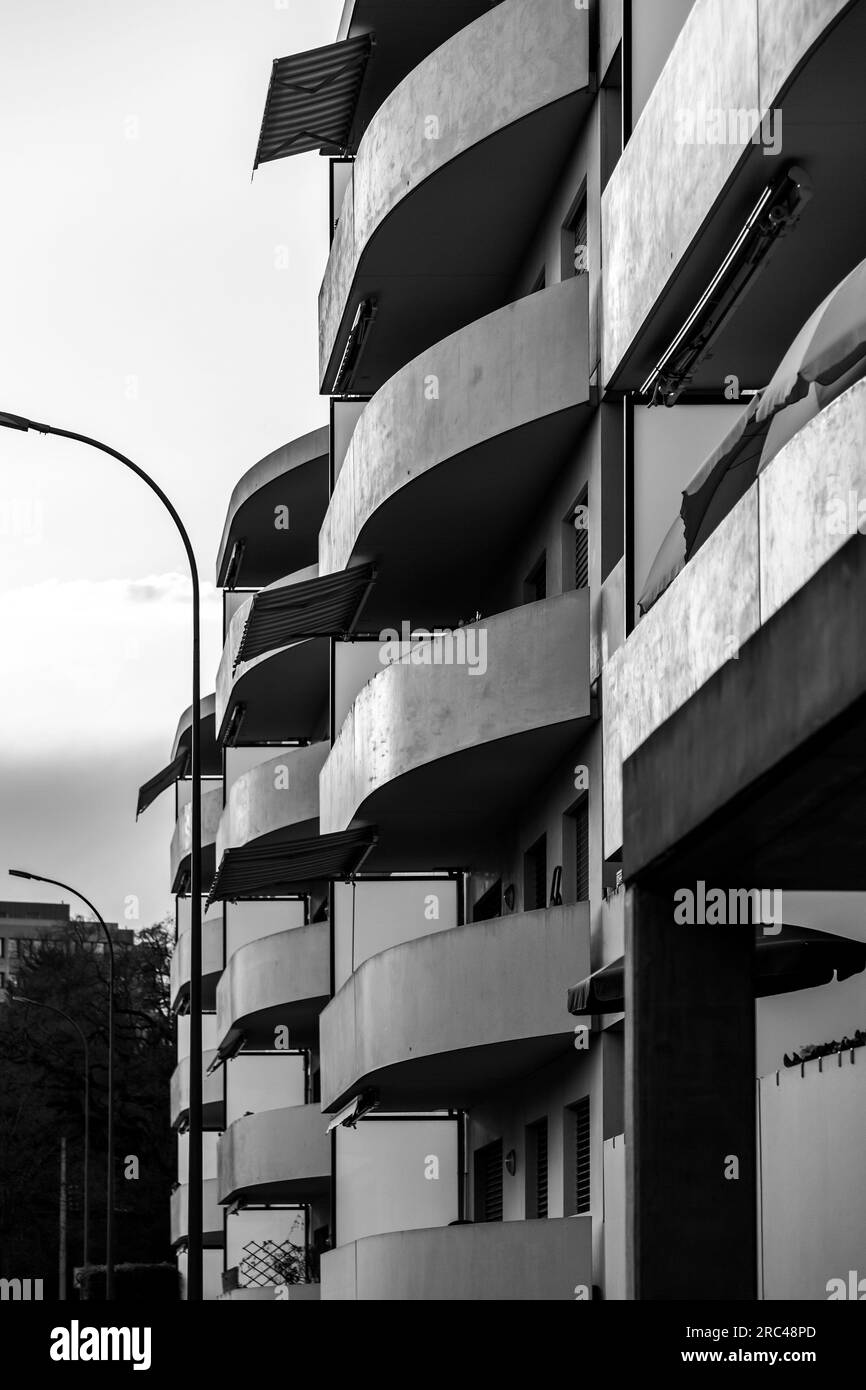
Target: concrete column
690 1106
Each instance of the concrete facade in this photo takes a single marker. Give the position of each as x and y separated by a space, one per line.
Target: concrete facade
485 812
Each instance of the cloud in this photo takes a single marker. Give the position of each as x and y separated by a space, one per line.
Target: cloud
94 664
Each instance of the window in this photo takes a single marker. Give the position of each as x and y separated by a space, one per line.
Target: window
536 1169
2 946
612 123
535 584
2 979
577 1158
574 244
580 823
488 1182
489 904
535 875
581 544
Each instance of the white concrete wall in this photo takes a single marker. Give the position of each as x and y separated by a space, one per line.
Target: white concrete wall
396 1175
813 1137
614 1219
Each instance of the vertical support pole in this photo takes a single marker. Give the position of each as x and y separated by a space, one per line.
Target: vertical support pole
61 1289
691 1191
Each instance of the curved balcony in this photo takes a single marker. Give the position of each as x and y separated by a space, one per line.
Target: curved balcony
506 1012
211 760
279 697
442 755
275 1156
282 979
405 35
498 1261
275 801
211 965
511 403
254 549
181 840
473 139
212 1215
700 134
213 1104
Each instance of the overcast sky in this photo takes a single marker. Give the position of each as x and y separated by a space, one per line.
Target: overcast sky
143 302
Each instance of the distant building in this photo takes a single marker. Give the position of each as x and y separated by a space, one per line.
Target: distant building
24 924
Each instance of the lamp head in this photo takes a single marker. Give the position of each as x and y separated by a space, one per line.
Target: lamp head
21 873
13 422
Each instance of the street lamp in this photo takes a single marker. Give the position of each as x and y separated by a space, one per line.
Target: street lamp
14 998
195 1222
109 1179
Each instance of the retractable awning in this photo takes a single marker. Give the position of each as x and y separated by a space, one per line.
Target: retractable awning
162 781
827 356
311 100
329 606
795 958
252 871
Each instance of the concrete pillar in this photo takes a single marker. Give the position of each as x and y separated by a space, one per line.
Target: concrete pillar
690 1106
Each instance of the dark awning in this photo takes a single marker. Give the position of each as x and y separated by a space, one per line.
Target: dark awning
311 100
252 871
162 781
326 607
795 958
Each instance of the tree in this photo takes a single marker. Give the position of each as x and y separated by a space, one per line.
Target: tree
42 1099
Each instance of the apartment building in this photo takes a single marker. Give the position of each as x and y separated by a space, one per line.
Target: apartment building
520 666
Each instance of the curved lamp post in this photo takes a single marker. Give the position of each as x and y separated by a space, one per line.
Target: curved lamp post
14 998
194 1266
109 1178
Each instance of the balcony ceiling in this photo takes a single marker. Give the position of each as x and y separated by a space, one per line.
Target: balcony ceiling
464 1078
285 694
823 129
458 811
